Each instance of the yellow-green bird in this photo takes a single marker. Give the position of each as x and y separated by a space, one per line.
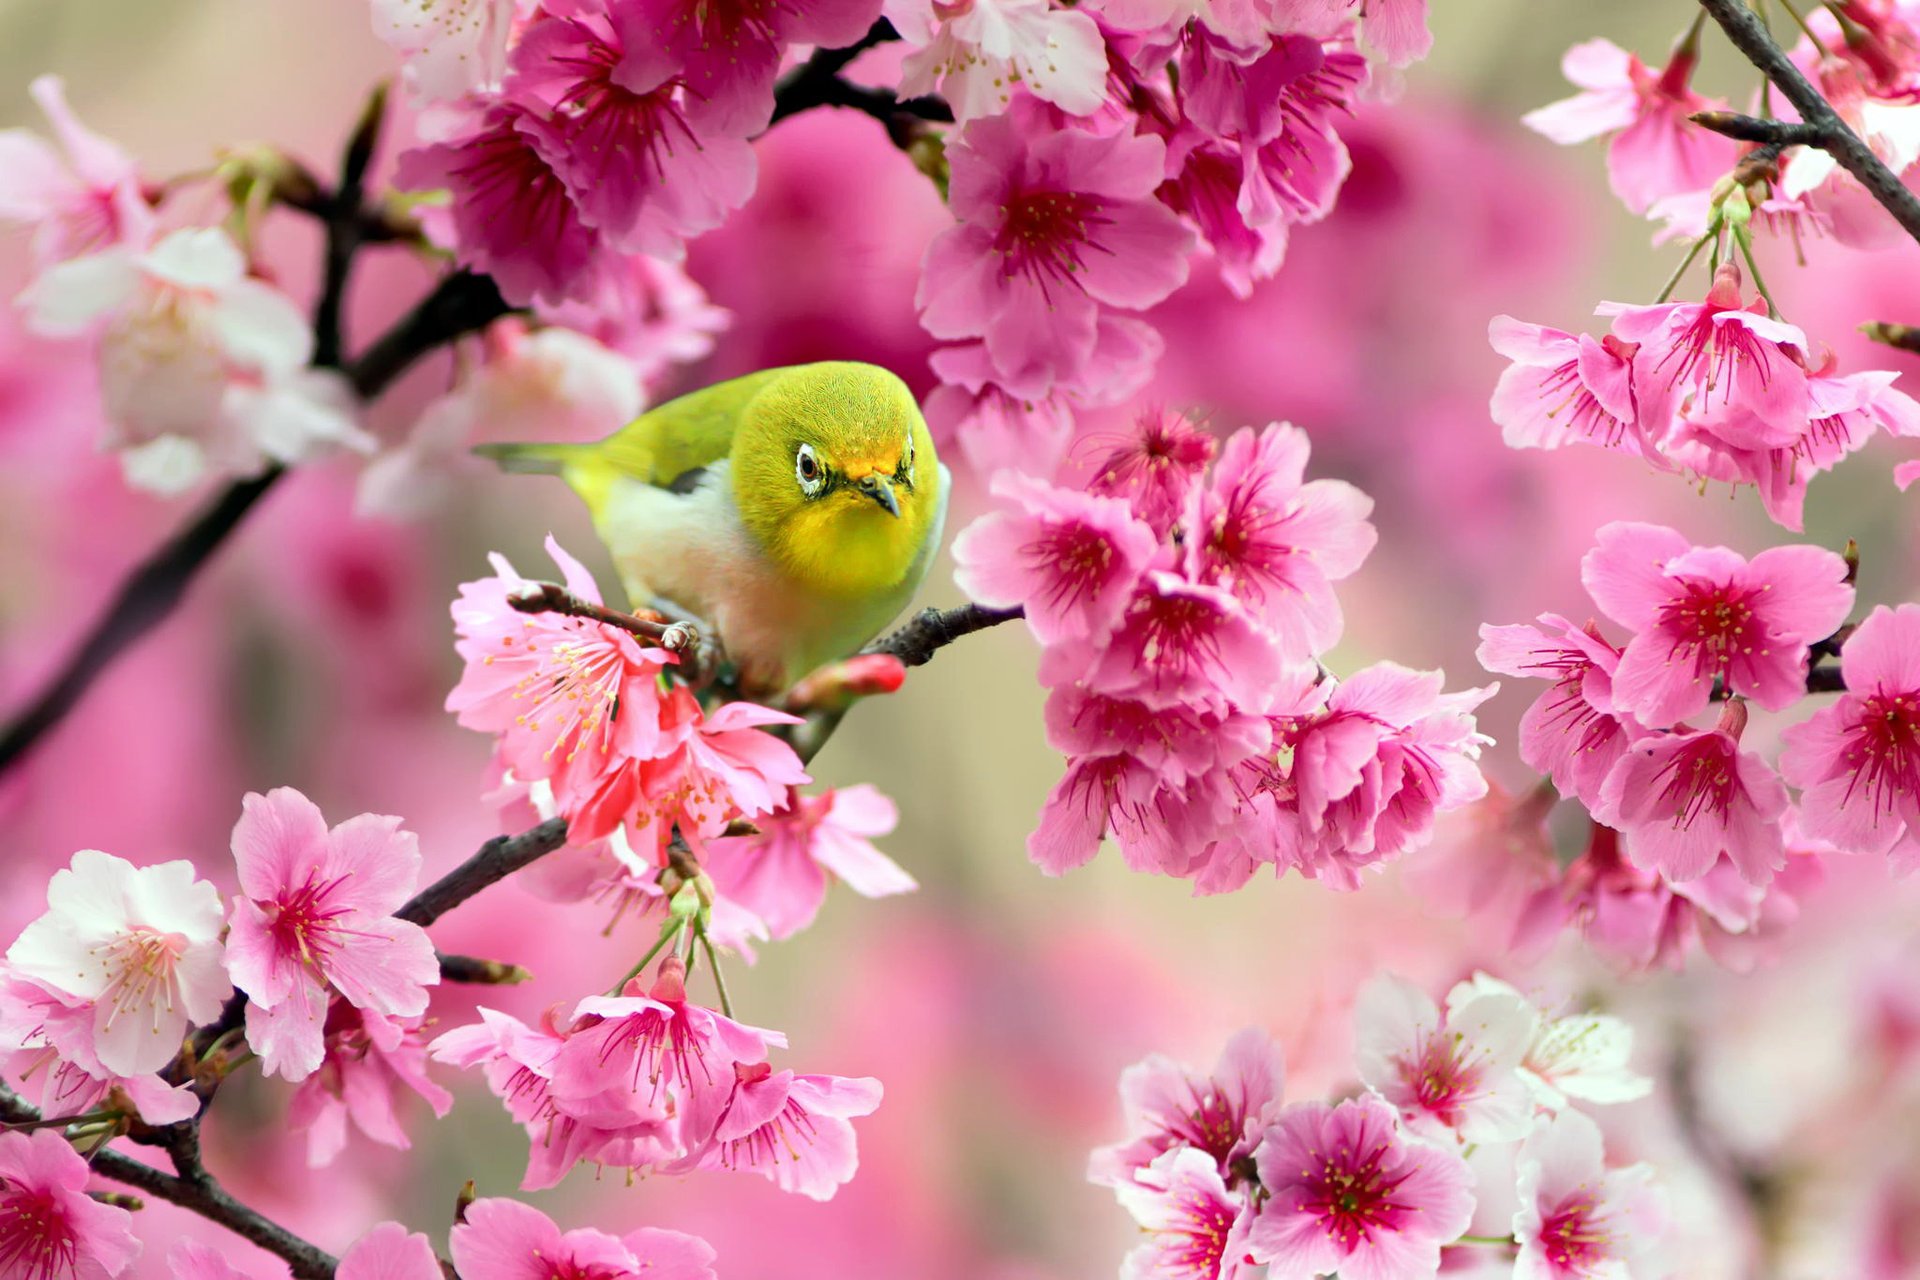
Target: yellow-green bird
796 510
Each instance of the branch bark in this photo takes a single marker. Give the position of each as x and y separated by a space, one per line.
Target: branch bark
497 859
817 82
1751 37
934 629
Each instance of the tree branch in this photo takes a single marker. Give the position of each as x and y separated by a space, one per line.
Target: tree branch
817 83
1751 37
933 629
342 222
1778 133
193 1188
497 859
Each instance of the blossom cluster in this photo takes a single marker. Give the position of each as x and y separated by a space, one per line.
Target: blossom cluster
1182 611
1465 1147
1696 833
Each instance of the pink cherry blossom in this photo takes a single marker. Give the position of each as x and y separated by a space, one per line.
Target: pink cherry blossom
977 52
1657 151
83 201
781 874
1578 1219
995 430
1575 1055
141 946
647 310
507 1240
1054 224
1154 464
49 1226
564 694
1857 762
1705 614
1215 184
368 1058
1196 1229
47 1051
1287 86
1451 1077
656 1046
1177 642
1071 559
1176 743
202 366
1719 351
731 53
1220 1114
1564 388
1397 29
390 1252
648 156
1276 542
1572 731
447 47
315 912
1349 1193
1684 799
794 1130
1080 808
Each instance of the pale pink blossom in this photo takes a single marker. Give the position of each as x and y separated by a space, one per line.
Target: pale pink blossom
47 1051
1196 1229
794 1130
1154 464
140 945
1572 732
647 310
1079 810
781 874
1684 799
1704 616
368 1058
1857 762
1072 560
976 53
49 1226
314 915
1349 1193
1565 388
995 430
1054 225
1657 151
1275 540
507 1240
390 1252
1453 1077
446 47
1220 1114
202 367
1581 1056
1397 30
1578 1219
84 197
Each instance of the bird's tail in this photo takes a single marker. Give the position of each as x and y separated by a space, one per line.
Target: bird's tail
536 459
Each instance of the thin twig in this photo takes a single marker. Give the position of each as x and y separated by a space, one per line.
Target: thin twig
492 973
497 859
342 221
1751 37
1904 337
551 597
817 82
933 629
1779 133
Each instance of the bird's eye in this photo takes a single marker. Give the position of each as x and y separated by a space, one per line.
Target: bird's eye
807 469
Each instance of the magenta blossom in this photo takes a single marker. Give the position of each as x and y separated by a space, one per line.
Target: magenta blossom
1177 743
1220 1114
1685 798
1275 541
1453 1077
794 1130
781 874
731 52
1349 1193
82 202
1704 615
1571 731
507 1240
368 1058
1722 353
1054 225
1657 150
1196 1228
1070 559
1154 464
1857 762
1578 1219
1565 388
315 911
49 1226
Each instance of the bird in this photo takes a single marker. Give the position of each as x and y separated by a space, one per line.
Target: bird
795 511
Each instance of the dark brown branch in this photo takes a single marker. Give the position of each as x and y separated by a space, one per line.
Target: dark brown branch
1825 679
191 1187
551 597
1778 133
817 83
497 859
933 629
342 226
1751 37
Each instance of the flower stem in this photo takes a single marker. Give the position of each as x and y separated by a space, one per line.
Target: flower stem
674 927
1498 1240
1673 281
713 963
1745 241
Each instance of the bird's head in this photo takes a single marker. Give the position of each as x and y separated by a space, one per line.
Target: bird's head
835 474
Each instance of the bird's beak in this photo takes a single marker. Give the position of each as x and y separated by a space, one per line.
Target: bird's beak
880 489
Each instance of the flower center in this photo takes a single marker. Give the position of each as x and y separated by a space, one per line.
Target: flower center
305 922
1042 234
36 1240
1352 1198
1713 623
1883 753
140 965
1080 560
1575 1238
575 693
1698 779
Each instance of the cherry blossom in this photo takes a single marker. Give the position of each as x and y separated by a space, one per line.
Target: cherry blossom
1579 1220
1705 615
1177 643
977 52
1455 1076
390 1252
1581 1056
1857 762
794 1130
140 945
781 874
83 198
1572 732
1349 1193
1196 1230
47 1049
731 54
507 1240
447 47
1154 464
315 913
1565 388
368 1057
1220 1114
49 1226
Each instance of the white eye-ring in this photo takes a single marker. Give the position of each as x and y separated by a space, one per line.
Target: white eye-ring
808 471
